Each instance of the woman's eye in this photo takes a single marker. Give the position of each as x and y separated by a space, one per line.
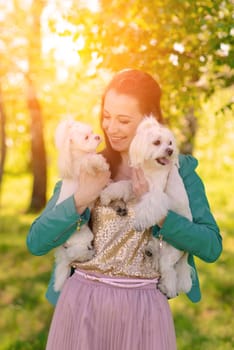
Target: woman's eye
157 142
124 121
86 137
170 143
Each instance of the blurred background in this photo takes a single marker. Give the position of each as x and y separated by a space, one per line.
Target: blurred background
56 57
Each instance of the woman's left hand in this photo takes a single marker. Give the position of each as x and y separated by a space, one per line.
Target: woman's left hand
139 183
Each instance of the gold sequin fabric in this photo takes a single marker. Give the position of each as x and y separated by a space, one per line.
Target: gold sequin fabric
119 248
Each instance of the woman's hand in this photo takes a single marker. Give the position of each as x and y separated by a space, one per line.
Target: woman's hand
139 183
90 187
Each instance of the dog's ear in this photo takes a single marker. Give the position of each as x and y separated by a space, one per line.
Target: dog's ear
140 143
62 132
147 123
176 158
138 149
62 142
176 150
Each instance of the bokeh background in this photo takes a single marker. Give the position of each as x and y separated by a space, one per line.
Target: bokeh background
56 57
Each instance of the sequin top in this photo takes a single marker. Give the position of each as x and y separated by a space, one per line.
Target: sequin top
119 248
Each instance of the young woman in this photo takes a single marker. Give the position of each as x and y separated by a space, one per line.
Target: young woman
112 302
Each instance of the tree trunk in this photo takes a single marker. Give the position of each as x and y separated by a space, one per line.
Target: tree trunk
189 129
38 154
2 137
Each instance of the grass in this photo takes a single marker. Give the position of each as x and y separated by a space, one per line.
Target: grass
25 314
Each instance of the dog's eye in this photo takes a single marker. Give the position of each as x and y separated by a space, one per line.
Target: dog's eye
170 143
157 142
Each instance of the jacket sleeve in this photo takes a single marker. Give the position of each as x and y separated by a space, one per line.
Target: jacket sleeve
55 224
200 237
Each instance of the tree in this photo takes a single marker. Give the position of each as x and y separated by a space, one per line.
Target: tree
38 159
38 198
3 137
21 45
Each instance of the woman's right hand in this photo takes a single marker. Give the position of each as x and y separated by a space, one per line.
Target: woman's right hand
139 183
89 188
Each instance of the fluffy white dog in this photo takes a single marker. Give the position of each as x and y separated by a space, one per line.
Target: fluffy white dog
154 149
77 145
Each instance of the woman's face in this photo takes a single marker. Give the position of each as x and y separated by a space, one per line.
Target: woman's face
121 117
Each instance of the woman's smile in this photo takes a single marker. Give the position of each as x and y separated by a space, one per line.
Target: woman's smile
121 116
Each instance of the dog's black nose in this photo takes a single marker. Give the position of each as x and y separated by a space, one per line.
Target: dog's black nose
169 151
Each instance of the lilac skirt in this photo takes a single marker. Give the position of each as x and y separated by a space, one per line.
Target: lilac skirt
91 315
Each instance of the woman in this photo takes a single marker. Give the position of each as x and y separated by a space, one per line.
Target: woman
112 302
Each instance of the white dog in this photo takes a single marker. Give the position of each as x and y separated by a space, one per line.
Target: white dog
154 149
77 145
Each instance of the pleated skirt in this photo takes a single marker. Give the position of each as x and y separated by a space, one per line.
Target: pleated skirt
91 315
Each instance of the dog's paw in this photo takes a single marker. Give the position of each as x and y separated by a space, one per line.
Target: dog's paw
106 197
121 190
169 291
62 272
99 163
141 220
104 166
94 163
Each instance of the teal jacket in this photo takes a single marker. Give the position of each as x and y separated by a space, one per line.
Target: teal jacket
199 238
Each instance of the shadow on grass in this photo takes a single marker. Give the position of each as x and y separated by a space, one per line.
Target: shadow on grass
36 342
216 278
191 335
25 313
28 314
188 335
15 224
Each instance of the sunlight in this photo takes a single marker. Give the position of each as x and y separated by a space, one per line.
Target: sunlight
58 36
63 47
92 5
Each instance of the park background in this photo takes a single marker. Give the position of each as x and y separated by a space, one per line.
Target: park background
55 60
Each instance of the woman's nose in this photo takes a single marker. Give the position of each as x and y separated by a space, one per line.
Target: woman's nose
112 127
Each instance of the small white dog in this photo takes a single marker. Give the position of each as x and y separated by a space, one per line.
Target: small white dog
154 149
77 145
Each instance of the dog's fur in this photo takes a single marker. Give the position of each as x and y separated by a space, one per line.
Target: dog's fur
77 145
154 149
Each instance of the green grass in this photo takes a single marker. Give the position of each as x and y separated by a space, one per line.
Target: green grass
25 314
